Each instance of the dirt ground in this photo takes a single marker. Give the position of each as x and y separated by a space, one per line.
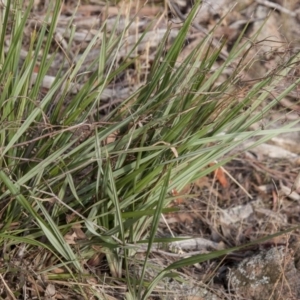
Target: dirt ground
257 193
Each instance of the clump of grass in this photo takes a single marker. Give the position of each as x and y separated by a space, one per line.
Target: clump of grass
68 170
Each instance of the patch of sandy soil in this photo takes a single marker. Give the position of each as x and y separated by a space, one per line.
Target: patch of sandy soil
255 195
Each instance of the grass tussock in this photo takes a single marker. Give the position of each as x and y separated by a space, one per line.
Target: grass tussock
82 180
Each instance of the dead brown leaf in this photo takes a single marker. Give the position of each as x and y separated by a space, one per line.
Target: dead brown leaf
70 238
111 138
95 260
182 195
58 271
50 292
220 176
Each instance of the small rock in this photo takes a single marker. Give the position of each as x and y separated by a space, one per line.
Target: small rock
269 275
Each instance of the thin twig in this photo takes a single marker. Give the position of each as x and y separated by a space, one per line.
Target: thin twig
277 7
236 182
11 294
